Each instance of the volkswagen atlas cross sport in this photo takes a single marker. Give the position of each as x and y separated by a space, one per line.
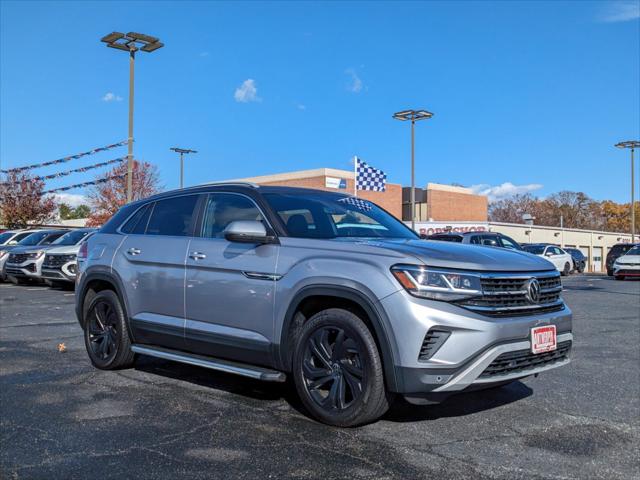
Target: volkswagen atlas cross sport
323 288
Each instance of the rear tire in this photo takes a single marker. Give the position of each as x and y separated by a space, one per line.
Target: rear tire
337 370
610 272
106 336
566 270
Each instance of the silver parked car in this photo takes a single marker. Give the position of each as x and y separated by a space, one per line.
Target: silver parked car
9 240
25 259
59 265
324 288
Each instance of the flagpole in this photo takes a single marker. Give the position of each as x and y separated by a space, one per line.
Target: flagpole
355 175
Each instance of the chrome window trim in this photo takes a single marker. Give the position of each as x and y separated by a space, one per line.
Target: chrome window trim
124 222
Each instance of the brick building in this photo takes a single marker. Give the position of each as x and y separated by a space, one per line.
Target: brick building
445 203
436 202
335 181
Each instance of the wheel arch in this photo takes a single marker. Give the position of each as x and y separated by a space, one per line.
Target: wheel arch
96 282
341 296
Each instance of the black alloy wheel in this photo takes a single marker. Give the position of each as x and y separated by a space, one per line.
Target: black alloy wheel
334 368
338 371
106 335
103 331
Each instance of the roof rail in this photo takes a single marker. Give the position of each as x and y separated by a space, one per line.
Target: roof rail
243 184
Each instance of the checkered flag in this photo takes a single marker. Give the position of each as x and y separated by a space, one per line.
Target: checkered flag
369 178
358 203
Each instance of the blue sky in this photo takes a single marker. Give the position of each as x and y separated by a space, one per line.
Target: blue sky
529 93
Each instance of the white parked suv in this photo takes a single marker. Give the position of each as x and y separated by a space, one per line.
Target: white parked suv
560 259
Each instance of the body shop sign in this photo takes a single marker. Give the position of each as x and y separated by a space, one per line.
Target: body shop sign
431 228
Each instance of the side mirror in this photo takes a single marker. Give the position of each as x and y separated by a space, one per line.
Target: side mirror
12 242
248 231
548 254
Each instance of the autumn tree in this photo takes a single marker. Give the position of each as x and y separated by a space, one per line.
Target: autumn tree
106 198
22 201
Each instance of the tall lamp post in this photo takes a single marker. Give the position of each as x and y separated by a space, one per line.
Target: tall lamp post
414 116
182 151
632 145
131 42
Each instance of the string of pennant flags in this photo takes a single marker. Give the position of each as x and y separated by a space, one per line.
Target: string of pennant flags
78 185
75 170
65 159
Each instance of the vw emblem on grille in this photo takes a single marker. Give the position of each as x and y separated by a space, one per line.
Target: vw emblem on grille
533 290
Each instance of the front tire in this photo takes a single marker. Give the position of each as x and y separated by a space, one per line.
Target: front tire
106 336
566 270
337 370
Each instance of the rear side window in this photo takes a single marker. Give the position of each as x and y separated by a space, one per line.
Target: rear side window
173 216
475 240
137 224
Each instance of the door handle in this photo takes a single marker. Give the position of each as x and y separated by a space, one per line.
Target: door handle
133 251
197 255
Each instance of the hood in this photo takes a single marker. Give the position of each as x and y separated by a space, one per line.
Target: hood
465 257
65 249
30 248
626 259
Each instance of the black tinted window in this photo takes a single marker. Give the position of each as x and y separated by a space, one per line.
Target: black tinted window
51 238
173 216
224 208
509 243
137 224
475 239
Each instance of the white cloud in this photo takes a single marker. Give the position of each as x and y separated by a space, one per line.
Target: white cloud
203 54
504 190
247 92
71 199
111 97
355 83
621 11
301 106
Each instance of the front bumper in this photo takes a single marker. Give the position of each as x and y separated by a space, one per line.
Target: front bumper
65 273
29 269
473 342
626 270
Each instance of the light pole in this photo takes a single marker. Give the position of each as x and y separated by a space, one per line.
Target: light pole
414 116
632 145
182 151
131 42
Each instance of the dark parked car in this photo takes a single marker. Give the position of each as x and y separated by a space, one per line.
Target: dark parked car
579 260
616 251
490 239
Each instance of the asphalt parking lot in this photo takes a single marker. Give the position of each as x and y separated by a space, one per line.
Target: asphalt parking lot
61 418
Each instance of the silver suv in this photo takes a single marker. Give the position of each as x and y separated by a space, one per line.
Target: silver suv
324 288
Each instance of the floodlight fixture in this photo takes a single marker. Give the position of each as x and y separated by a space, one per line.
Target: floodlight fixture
182 151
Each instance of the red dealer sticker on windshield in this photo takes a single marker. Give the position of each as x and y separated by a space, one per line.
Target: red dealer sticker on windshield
543 339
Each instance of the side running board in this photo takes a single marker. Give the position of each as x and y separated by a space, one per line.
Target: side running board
258 373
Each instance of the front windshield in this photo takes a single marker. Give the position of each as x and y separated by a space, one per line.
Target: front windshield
535 249
4 237
634 251
72 238
33 239
326 215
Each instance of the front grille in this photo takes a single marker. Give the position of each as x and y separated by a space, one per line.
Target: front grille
18 257
508 295
56 261
523 360
433 340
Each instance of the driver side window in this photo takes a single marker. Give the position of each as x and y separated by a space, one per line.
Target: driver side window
224 208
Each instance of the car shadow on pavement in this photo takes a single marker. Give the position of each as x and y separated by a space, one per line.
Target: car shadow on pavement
400 411
459 405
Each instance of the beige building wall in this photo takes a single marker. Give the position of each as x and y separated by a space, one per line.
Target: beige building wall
594 244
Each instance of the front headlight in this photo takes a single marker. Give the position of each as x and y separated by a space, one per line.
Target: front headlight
437 283
36 255
3 254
